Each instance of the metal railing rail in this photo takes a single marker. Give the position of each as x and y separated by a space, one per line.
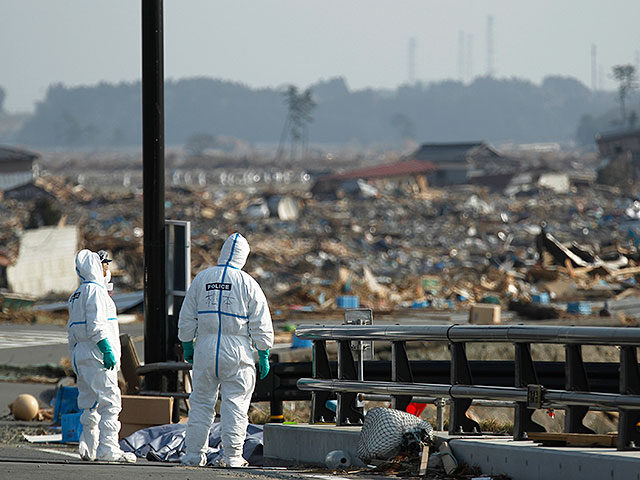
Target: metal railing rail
475 333
526 393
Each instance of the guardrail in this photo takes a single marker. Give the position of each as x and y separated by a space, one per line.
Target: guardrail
527 394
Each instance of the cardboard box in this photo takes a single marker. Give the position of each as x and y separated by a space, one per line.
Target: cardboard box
127 429
142 410
484 313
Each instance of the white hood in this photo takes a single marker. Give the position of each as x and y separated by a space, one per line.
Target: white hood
234 252
88 267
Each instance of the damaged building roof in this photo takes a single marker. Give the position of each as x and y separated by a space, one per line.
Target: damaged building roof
12 154
454 152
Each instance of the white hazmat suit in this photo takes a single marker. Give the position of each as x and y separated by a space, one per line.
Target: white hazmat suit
225 310
92 319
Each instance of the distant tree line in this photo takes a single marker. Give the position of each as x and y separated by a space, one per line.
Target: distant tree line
496 110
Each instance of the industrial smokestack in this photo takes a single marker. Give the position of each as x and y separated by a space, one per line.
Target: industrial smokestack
490 67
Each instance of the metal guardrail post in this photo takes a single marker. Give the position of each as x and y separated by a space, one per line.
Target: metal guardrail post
400 372
276 411
575 381
525 374
629 421
440 403
347 413
460 375
320 369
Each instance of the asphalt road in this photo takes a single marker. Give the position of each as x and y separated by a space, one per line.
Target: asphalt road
39 344
27 463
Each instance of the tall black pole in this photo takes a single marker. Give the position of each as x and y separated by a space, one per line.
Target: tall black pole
155 322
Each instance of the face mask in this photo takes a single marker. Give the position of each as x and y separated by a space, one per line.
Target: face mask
107 278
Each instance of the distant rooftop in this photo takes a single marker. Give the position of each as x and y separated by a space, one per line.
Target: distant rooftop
11 154
617 134
397 169
453 152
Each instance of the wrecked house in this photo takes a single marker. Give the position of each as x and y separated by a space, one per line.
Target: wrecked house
621 143
457 163
353 182
17 168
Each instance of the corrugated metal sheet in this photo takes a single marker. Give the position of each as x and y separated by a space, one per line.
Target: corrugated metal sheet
46 261
124 302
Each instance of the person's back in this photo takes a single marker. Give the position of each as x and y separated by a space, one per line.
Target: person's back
226 310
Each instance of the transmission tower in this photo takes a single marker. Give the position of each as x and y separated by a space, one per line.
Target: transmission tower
412 61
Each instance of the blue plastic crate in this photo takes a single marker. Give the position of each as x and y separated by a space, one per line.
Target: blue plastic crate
348 301
581 308
71 427
540 297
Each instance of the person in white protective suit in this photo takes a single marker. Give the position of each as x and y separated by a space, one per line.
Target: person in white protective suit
224 310
94 347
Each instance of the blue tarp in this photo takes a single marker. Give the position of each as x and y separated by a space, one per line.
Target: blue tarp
165 443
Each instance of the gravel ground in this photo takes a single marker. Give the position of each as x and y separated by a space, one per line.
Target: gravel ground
11 433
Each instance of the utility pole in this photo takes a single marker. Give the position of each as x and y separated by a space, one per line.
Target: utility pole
155 321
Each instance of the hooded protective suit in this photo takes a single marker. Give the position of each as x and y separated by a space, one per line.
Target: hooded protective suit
92 318
226 310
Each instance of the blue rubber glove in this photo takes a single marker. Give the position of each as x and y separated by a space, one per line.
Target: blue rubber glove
107 354
263 363
187 350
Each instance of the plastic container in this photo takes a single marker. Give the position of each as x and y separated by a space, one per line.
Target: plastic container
540 298
66 402
300 343
582 308
348 301
71 427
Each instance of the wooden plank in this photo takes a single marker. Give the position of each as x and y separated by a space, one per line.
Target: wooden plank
423 461
573 439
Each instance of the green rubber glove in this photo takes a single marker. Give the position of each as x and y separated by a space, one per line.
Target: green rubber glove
187 350
107 354
263 363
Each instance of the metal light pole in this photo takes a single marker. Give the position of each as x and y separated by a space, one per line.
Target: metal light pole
155 323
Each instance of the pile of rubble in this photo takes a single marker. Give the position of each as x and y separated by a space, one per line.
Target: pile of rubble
393 247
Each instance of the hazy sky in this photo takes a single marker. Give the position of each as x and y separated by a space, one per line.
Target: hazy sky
269 43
